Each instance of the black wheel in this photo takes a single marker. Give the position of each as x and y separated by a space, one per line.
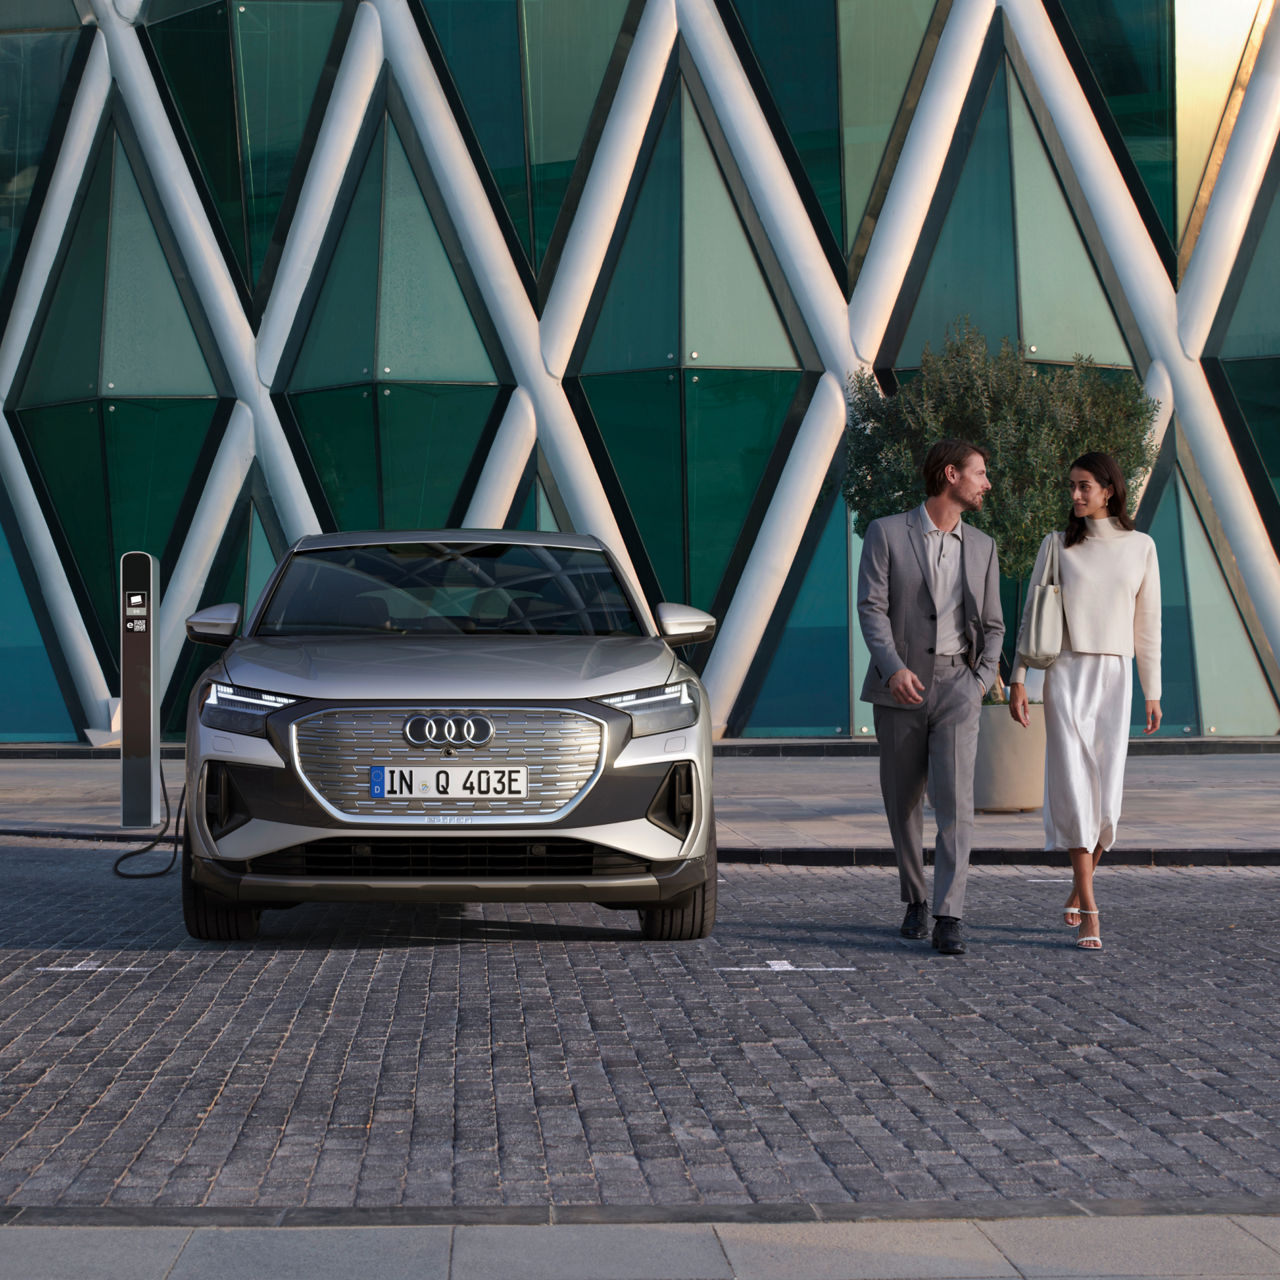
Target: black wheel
209 918
688 917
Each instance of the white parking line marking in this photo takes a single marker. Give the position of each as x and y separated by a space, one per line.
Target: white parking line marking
785 966
90 966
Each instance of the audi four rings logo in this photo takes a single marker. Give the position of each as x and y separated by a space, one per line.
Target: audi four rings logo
448 731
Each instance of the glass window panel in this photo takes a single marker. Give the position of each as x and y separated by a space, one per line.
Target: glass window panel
481 43
148 345
732 420
339 344
730 319
262 561
194 53
1177 667
428 437
1256 385
567 47
1254 329
1235 697
1208 44
546 516
639 417
879 44
1129 46
33 71
67 443
338 428
65 364
280 48
639 323
797 49
152 447
426 332
32 709
163 10
972 270
524 509
18 14
1064 308
806 693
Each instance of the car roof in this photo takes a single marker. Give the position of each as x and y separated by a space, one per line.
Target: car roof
470 537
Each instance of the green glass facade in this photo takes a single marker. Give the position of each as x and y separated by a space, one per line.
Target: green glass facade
531 75
1161 74
35 708
34 67
842 76
393 390
1010 253
691 372
707 253
244 78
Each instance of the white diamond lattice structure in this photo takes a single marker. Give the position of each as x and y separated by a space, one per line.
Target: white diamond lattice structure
1174 325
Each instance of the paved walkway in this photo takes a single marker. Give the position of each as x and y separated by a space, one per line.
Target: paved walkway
536 1091
1175 1248
1213 805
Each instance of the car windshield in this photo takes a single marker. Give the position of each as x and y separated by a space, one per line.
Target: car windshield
449 589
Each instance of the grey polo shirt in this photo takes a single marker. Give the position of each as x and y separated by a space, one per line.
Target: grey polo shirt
942 569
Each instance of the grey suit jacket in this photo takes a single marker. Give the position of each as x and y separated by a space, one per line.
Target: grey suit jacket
896 609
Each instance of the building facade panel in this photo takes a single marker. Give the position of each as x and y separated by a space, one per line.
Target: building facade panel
387 364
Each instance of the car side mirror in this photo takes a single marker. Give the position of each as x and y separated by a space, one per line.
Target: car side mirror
683 624
217 624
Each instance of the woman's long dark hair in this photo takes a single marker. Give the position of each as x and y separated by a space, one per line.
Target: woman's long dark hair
1106 471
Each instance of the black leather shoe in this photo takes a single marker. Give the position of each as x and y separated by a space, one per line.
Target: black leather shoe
948 936
915 924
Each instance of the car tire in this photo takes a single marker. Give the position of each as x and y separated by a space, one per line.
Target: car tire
209 918
692 915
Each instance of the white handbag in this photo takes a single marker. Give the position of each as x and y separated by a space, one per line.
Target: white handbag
1042 641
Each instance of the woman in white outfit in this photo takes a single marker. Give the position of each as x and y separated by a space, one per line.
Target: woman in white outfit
1111 601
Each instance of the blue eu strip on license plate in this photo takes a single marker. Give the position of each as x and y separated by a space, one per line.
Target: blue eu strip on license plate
377 781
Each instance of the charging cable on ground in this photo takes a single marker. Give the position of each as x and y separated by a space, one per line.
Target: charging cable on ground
117 865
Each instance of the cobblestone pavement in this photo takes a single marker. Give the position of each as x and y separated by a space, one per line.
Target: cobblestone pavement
506 1056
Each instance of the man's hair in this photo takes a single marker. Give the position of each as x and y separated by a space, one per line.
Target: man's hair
944 454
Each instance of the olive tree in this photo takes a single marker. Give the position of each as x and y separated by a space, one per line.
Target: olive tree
1032 419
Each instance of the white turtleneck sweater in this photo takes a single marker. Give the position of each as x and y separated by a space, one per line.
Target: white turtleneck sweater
1111 598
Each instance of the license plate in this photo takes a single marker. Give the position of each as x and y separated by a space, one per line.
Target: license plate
447 782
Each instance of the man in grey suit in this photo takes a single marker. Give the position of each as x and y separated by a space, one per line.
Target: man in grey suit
929 604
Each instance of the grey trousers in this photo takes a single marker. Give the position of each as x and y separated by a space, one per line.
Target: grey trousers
939 736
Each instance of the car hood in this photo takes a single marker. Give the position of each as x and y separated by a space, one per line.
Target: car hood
462 668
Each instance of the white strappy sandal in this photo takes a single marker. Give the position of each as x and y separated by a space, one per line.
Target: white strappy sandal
1089 937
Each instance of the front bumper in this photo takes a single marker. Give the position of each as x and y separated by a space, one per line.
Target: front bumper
637 834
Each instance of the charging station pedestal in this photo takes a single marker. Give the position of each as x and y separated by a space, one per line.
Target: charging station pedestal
139 704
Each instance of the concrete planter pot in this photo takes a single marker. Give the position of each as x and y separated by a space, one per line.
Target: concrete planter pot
1008 773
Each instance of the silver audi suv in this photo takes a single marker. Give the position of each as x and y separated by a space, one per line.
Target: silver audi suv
449 716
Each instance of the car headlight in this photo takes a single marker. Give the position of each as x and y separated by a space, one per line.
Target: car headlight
237 710
668 706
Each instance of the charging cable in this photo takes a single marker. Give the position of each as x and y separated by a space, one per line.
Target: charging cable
118 865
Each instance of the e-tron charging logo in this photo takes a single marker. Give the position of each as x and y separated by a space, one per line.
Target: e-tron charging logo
448 731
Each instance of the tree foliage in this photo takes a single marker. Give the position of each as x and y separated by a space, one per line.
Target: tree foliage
1032 419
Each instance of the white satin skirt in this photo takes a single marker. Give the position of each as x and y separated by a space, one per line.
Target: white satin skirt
1087 699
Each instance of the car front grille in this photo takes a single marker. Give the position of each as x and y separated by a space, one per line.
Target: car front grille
446 859
562 750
